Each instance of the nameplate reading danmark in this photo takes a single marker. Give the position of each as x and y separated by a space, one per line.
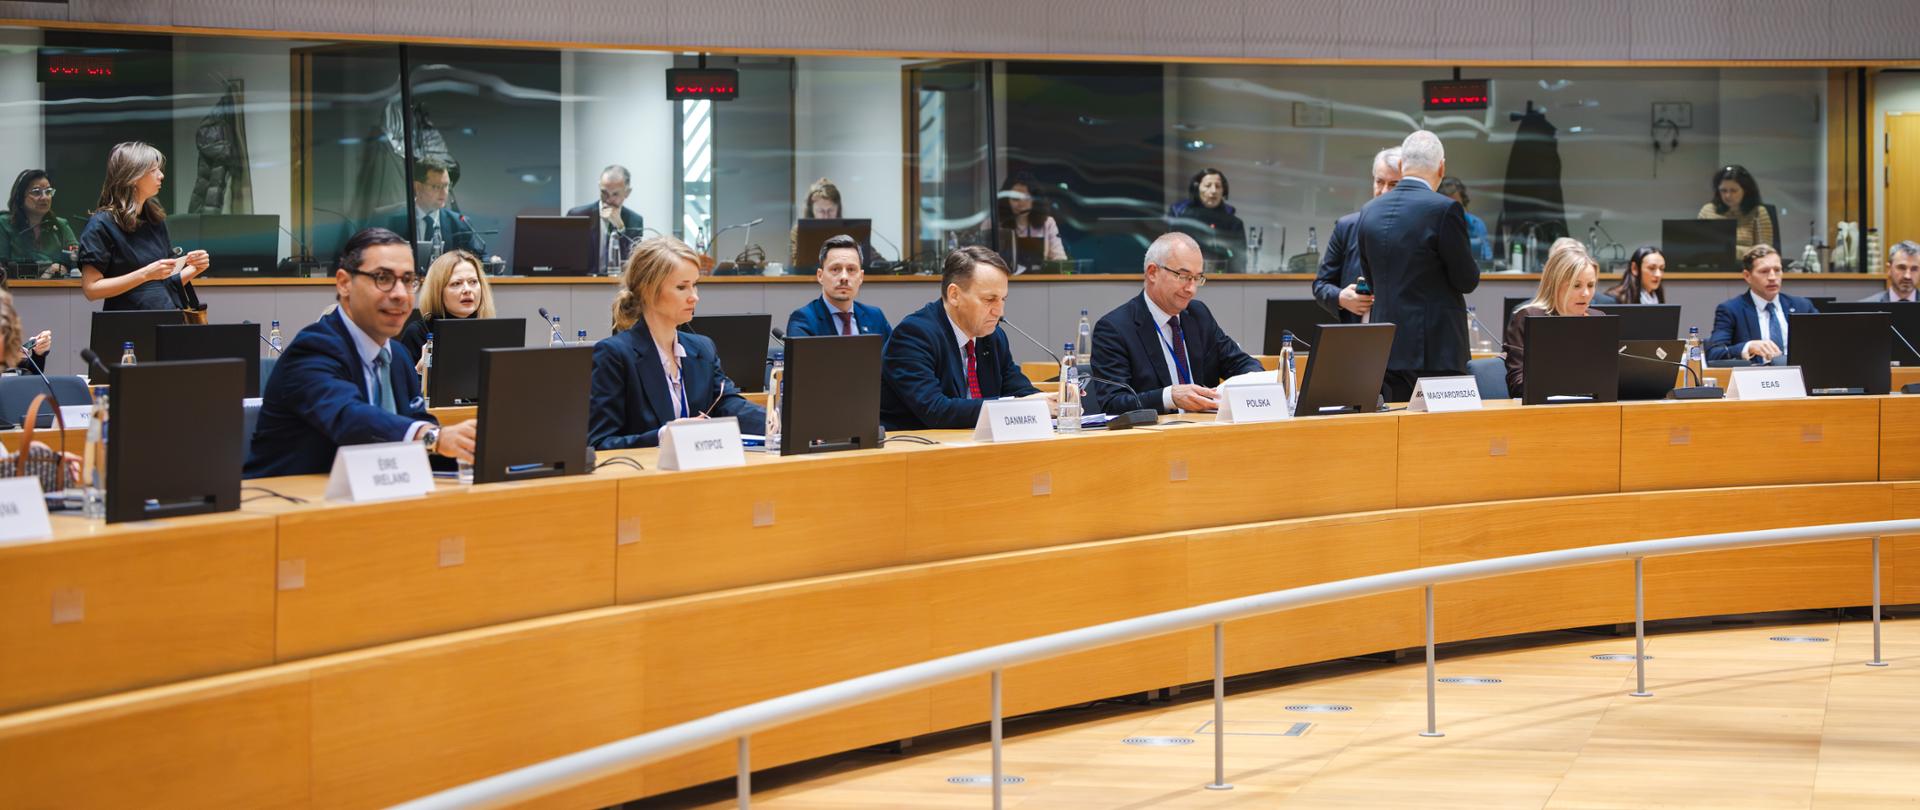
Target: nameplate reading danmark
1445 395
23 511
1253 402
1767 382
379 472
701 444
1012 420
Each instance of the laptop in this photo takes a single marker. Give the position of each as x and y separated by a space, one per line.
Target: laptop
1646 367
1345 369
741 341
810 234
551 246
237 245
1699 245
1301 316
1571 358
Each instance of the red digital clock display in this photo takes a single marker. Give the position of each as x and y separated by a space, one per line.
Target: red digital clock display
79 67
1456 94
714 84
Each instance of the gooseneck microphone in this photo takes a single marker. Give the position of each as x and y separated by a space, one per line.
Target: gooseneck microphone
1138 416
93 362
1909 388
43 374
1699 389
778 334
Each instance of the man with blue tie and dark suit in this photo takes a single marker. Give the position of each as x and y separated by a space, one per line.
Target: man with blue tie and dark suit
836 311
1164 343
1753 326
344 379
1336 286
945 359
1415 250
431 216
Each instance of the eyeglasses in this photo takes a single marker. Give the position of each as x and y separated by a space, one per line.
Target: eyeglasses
41 192
1185 277
384 281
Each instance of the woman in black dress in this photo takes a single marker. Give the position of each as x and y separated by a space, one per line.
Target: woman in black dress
126 256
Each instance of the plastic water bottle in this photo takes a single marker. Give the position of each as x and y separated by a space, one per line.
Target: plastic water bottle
1517 257
1286 371
1313 241
426 370
1697 359
1085 342
583 338
776 389
126 354
1069 421
1481 342
553 333
614 259
93 461
273 338
437 247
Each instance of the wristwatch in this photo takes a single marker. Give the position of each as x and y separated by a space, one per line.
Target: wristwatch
430 438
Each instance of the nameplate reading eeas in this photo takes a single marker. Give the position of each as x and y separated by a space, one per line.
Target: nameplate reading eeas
379 472
1253 402
701 444
23 511
1767 382
1445 395
1012 420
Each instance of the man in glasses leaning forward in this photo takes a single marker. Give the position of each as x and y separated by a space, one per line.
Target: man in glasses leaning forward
1164 343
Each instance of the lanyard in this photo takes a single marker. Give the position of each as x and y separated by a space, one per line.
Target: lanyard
1180 361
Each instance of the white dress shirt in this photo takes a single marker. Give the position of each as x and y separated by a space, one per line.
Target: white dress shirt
853 319
369 355
1766 327
676 384
1160 318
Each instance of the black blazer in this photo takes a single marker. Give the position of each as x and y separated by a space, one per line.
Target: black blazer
1126 348
1415 251
317 400
924 375
629 231
631 400
1339 267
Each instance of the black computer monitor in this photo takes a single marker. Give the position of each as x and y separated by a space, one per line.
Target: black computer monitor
113 330
810 234
1025 254
176 439
237 245
742 343
1571 358
1345 369
1820 302
1646 321
1302 316
1699 245
533 413
457 343
553 246
1842 352
1646 367
240 341
832 397
1903 328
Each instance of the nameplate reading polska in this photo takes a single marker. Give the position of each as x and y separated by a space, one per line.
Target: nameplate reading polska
1766 382
1012 420
23 511
1253 402
1445 395
379 472
701 444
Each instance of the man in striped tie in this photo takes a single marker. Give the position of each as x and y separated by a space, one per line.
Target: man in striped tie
944 359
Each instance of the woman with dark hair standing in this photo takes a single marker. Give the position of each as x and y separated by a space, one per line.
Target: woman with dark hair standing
1737 197
1024 211
1640 284
1206 216
29 230
125 252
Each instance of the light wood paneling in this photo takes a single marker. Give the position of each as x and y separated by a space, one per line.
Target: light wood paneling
1508 452
1694 444
1900 438
76 439
1296 468
1569 597
1903 552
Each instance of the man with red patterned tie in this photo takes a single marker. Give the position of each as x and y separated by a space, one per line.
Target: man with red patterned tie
943 360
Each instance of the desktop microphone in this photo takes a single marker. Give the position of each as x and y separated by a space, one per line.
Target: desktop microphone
1909 388
1699 389
1138 416
778 334
93 362
899 258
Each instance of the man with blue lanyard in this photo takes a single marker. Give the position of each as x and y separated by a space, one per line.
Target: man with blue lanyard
1164 343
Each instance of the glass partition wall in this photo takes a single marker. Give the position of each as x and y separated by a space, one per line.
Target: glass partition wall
278 150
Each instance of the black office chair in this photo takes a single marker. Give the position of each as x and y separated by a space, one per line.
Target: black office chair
18 390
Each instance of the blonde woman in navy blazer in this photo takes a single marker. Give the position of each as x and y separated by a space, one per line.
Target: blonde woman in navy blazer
651 373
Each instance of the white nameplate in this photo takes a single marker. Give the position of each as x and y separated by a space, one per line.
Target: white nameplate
1253 402
379 472
701 444
1445 395
1766 382
76 416
1012 420
23 511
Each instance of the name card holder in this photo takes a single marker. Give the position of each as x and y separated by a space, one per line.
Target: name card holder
701 444
1243 403
379 472
23 511
1766 382
1445 395
1012 420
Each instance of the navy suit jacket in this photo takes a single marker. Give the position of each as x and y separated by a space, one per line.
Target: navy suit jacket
317 400
1126 347
1339 267
631 400
631 225
456 233
924 375
816 318
1736 321
1415 251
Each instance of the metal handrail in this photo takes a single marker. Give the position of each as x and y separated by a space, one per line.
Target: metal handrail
740 723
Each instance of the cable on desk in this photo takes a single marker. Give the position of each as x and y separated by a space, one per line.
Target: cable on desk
620 460
911 439
268 493
1179 422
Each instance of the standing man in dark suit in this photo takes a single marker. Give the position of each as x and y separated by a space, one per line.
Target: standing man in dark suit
836 311
1753 326
344 379
1336 286
1165 343
950 355
1415 250
615 219
432 188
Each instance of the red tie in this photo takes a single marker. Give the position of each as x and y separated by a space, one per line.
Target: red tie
973 374
846 322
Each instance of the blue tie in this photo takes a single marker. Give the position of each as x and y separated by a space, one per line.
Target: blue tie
382 382
1773 323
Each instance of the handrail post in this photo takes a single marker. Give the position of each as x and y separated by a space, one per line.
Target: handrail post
1876 662
1432 716
1640 628
996 740
743 783
1219 708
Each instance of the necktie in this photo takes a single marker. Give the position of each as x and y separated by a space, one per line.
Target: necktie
973 373
1179 350
429 227
846 322
1773 322
382 381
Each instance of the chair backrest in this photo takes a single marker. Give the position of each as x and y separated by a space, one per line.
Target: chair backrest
1490 373
266 370
18 390
249 418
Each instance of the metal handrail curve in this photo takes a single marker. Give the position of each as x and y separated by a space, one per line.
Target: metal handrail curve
739 723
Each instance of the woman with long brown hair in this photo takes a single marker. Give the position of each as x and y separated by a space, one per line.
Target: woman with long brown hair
125 252
1640 284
